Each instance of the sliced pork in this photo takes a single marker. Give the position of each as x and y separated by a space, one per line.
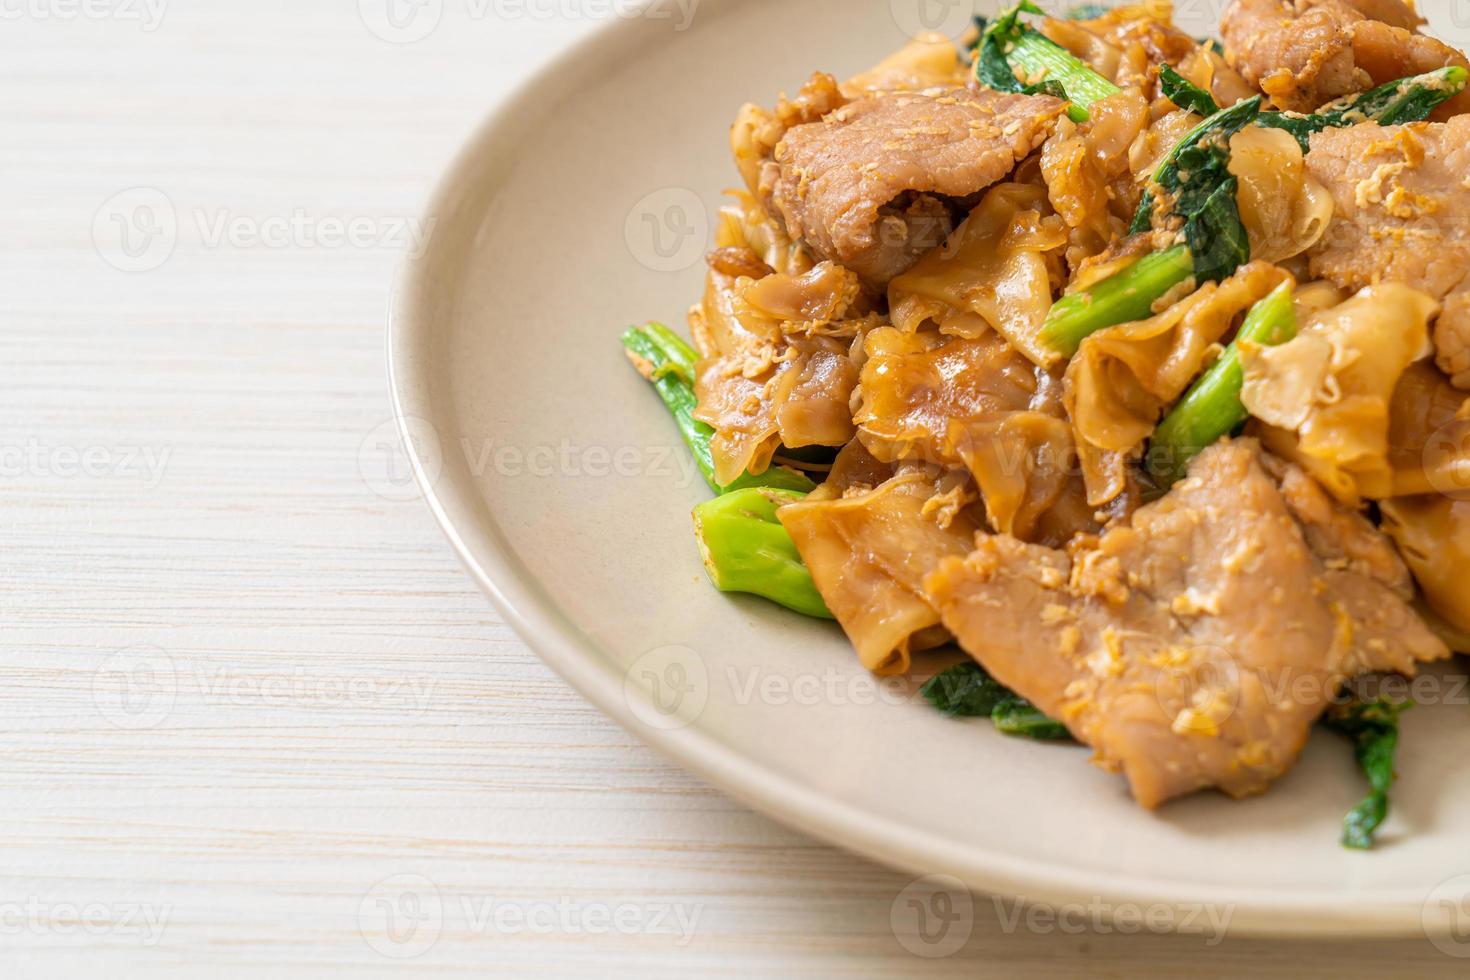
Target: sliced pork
1305 53
1402 214
876 183
1195 646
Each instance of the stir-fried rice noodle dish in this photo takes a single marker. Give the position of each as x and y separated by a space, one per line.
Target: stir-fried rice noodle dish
1133 365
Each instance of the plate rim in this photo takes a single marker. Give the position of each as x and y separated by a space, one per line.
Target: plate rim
1255 913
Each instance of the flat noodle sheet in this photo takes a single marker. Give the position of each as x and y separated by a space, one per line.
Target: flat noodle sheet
869 553
1088 173
1284 209
1428 434
973 403
1325 397
777 365
1433 535
1128 43
992 273
802 401
928 61
1124 378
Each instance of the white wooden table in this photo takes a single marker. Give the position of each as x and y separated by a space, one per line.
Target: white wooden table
255 719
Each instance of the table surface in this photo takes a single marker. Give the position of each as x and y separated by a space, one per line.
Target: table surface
256 718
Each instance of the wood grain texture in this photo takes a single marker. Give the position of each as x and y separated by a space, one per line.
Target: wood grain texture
240 688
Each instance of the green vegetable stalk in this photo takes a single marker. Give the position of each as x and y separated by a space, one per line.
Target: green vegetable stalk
1017 716
746 549
1185 94
1195 177
1410 99
967 691
1199 165
1373 727
1201 191
1122 298
668 362
1212 408
1009 48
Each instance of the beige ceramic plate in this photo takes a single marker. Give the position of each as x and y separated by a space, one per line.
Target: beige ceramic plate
582 206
